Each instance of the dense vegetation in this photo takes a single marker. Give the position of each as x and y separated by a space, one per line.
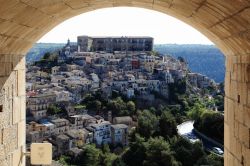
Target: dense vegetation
204 59
39 49
154 142
211 124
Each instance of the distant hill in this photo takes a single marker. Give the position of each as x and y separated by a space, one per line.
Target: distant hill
204 59
39 49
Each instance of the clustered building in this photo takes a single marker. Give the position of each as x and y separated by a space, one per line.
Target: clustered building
107 64
76 131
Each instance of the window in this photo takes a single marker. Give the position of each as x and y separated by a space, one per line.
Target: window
1 108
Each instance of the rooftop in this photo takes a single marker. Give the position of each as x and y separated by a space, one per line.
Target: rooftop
46 123
114 37
119 126
62 137
94 125
59 120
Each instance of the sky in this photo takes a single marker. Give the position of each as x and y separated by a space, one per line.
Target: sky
126 21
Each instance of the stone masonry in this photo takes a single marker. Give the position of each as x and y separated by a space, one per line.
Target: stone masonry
225 22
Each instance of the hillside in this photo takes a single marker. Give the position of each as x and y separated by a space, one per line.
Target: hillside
204 59
39 49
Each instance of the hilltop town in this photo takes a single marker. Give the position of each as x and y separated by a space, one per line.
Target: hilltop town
59 85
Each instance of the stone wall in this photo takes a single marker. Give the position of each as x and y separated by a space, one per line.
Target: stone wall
237 111
12 112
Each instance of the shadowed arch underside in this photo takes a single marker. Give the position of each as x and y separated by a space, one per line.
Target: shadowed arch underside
224 22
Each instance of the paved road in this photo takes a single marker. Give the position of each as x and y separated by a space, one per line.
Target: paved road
186 130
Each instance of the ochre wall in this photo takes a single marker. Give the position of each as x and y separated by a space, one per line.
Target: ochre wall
225 22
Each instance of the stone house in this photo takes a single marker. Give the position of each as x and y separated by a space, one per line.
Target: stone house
61 126
33 126
57 79
127 120
50 127
63 143
77 121
62 96
38 104
80 137
34 137
102 133
119 134
55 70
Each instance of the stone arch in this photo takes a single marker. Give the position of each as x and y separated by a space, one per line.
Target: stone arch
225 22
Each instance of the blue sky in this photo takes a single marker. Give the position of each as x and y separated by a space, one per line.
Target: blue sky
126 21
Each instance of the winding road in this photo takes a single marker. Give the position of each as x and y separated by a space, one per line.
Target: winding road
186 130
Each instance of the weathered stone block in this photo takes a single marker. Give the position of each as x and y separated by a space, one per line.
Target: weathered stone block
226 136
238 150
244 93
239 113
23 108
17 157
230 112
7 7
16 110
2 153
21 133
236 129
1 137
244 135
246 154
246 116
230 159
232 89
225 108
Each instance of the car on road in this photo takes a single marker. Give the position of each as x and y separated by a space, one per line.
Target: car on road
218 150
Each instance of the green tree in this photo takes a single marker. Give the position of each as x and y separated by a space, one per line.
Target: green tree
187 153
136 153
158 153
155 53
210 159
131 107
118 107
90 156
106 157
167 125
64 160
52 110
219 102
97 105
118 162
196 111
46 55
211 124
147 124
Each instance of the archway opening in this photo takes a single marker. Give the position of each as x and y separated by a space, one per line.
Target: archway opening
22 23
165 94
